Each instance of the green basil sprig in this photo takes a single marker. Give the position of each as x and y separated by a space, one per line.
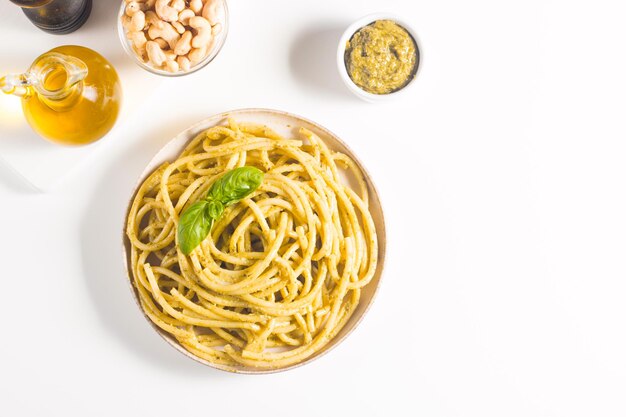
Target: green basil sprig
196 221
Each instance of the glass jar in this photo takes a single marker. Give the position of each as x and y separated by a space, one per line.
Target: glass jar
70 95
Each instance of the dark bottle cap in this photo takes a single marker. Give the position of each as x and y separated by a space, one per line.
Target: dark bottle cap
56 16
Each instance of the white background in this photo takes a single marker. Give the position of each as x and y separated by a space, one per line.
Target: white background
502 177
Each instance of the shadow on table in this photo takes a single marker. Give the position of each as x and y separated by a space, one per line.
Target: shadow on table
103 15
101 236
313 59
103 23
13 181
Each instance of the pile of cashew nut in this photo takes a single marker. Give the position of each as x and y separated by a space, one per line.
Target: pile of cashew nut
173 35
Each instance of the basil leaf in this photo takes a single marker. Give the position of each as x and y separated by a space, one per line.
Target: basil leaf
195 223
194 226
214 209
235 185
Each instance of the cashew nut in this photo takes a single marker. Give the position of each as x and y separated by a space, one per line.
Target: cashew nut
183 46
169 55
216 29
213 11
183 17
203 29
126 23
141 53
196 6
152 19
180 28
197 54
155 53
171 65
165 12
132 8
138 39
178 5
167 32
137 21
183 63
162 43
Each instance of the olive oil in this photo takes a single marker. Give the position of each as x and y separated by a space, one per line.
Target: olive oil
71 95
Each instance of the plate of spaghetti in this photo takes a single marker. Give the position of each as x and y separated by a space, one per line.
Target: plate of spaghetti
255 241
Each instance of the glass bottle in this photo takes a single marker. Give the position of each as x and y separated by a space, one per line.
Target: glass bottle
70 95
56 16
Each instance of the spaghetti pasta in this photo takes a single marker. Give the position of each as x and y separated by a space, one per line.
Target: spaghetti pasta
280 272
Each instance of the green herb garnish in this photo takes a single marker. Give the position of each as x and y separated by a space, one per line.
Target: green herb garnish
195 223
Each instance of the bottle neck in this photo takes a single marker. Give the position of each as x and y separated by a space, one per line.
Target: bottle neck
56 79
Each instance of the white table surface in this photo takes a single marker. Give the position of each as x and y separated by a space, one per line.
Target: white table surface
502 177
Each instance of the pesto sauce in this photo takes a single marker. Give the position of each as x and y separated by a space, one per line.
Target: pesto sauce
381 57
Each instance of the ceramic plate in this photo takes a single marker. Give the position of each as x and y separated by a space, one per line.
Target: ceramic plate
286 125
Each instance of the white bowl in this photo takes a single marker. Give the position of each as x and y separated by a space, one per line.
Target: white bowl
341 64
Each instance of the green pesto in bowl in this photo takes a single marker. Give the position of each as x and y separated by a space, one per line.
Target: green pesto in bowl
382 57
